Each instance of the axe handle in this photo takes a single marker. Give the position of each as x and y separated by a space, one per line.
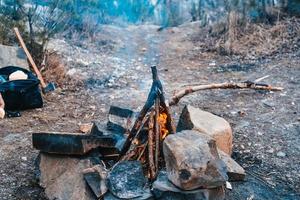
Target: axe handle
36 70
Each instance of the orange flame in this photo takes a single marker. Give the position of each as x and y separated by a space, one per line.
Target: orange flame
162 121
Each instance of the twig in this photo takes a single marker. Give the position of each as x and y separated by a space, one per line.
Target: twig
143 151
131 152
243 85
260 79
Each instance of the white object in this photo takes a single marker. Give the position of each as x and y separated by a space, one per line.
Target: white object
24 158
228 185
18 75
2 113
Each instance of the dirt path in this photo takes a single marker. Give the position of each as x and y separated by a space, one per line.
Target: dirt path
115 69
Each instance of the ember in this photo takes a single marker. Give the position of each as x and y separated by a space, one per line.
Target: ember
162 120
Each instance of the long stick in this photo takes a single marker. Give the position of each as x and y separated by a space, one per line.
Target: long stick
243 85
36 70
152 169
157 135
160 93
132 147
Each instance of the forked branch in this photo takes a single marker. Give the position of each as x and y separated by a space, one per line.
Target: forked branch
243 85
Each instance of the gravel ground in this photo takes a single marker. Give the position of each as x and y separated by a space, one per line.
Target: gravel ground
116 70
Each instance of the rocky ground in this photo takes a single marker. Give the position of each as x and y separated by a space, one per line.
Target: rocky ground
114 68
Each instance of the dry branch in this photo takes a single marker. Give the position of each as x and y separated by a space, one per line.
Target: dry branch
243 85
133 146
151 147
157 135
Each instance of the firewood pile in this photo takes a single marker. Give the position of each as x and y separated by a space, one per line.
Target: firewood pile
156 118
141 155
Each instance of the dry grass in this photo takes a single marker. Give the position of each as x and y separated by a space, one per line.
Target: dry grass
263 39
54 69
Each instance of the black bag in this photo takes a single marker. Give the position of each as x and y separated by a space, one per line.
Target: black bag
20 94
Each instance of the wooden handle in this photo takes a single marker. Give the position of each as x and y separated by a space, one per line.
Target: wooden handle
36 70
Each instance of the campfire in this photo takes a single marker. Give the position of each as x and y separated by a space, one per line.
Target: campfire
139 156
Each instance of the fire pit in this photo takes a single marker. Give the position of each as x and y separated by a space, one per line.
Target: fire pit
145 159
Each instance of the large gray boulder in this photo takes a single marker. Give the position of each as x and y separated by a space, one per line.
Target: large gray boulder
164 189
192 161
12 56
62 177
207 123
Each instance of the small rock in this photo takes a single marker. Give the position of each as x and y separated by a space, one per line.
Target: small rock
234 171
192 161
228 185
85 128
71 72
216 127
281 154
96 178
213 63
270 150
126 180
24 158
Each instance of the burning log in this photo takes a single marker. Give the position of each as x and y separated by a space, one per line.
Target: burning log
156 92
157 136
243 85
156 115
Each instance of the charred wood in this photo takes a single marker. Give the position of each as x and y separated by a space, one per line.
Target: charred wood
71 144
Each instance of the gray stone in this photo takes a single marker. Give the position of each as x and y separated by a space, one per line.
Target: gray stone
96 178
207 123
110 196
192 161
126 180
281 154
62 177
164 189
234 171
213 194
12 56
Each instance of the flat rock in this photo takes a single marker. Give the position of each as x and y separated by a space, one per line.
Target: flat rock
164 189
192 161
12 56
127 181
234 171
207 123
96 178
62 177
147 196
214 194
